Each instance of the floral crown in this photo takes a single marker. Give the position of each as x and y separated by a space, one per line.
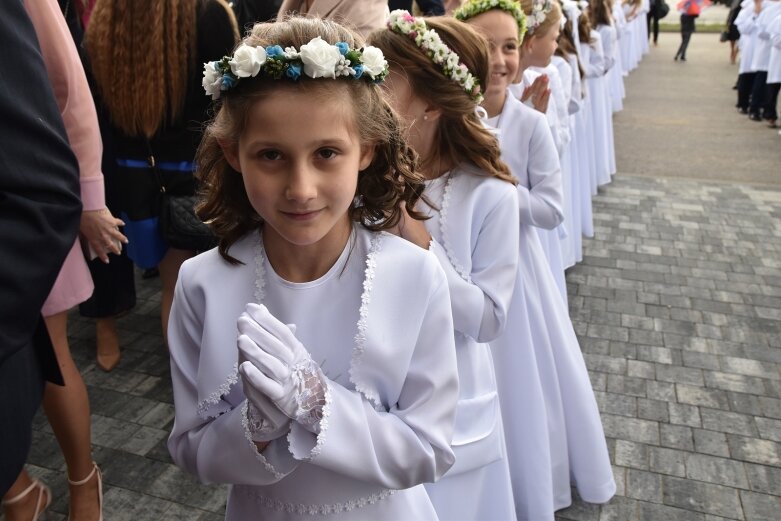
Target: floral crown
540 10
472 8
428 40
316 59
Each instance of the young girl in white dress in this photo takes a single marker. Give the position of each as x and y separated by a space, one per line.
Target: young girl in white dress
471 200
576 447
312 355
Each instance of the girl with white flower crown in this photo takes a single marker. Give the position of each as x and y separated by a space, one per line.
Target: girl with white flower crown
436 80
572 446
312 353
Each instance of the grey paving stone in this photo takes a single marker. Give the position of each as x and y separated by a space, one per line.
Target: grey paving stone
654 512
764 452
710 442
655 410
640 369
744 403
734 382
619 509
677 374
769 429
681 414
645 486
605 364
617 404
627 385
771 407
694 395
663 391
763 478
702 497
661 355
631 454
676 437
721 471
748 367
667 461
760 507
731 422
641 431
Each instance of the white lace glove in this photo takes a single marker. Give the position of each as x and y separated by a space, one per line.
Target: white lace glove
266 421
286 374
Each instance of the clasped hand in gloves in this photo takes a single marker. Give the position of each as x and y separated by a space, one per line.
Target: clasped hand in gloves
279 368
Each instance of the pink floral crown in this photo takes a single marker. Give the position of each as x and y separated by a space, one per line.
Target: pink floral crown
428 41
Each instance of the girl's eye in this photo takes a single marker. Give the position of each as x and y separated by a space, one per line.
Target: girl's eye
510 47
326 153
270 155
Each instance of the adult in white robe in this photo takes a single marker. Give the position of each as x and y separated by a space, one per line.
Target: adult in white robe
380 324
576 440
471 226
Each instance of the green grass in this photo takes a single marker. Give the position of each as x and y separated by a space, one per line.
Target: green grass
701 28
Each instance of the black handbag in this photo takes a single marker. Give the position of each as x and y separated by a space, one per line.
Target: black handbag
179 225
662 9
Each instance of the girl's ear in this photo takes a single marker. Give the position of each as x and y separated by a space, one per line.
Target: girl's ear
367 156
431 113
231 153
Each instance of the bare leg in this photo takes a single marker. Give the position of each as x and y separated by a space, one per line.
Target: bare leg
733 52
67 408
169 271
24 508
108 343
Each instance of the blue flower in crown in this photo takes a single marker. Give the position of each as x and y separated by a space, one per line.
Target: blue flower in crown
358 71
228 81
275 51
343 47
293 71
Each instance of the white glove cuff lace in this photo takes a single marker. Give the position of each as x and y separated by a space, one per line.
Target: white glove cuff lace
310 382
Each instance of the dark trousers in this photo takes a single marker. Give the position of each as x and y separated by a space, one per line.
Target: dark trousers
685 37
771 100
745 84
653 17
758 94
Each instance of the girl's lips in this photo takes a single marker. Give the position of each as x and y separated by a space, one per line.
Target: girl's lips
301 216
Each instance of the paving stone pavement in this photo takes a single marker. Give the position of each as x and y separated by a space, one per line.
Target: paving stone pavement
677 305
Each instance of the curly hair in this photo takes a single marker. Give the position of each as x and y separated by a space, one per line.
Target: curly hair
462 137
390 179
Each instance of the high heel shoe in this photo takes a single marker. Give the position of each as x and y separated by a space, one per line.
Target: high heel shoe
42 502
95 470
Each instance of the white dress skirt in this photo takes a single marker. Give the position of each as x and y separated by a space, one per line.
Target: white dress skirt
578 450
600 112
471 223
609 47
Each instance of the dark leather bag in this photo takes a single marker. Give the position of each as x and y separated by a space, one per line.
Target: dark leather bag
181 227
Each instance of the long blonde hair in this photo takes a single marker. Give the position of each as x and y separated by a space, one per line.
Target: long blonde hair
142 54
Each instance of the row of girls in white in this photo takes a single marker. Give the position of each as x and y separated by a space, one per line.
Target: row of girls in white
379 334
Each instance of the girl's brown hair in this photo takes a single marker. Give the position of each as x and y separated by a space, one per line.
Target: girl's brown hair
388 181
551 19
567 46
599 12
584 29
461 135
142 54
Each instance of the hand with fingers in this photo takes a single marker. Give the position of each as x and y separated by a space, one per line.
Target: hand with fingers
101 231
539 93
277 368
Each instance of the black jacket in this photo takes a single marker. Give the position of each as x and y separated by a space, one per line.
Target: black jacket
40 209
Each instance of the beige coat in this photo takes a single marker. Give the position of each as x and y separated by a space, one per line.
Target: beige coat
364 15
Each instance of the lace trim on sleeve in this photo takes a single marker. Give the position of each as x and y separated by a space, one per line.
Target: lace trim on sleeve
214 398
360 337
463 273
321 426
245 423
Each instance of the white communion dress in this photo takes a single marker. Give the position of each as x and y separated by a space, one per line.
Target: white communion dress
577 447
471 226
379 322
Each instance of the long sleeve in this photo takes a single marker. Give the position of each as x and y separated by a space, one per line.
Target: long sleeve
595 66
410 443
775 32
541 203
481 299
608 46
746 22
39 191
217 450
73 97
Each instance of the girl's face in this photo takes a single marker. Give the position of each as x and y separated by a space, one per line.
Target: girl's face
299 156
501 31
539 48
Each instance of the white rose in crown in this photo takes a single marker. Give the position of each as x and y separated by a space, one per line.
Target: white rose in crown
373 61
247 61
212 80
320 58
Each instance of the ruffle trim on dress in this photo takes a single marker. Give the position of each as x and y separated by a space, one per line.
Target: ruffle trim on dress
245 423
327 509
463 273
362 386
